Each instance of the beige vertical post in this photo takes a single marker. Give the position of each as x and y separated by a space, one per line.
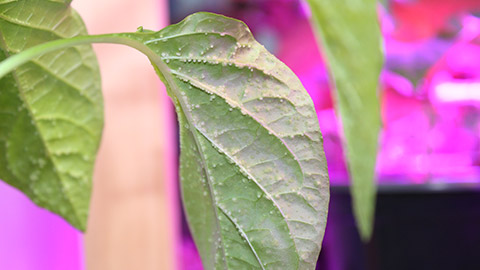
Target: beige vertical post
130 224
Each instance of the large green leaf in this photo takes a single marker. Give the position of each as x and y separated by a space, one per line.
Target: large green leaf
254 176
253 171
351 39
51 111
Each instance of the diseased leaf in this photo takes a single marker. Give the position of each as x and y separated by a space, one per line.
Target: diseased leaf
253 171
254 176
51 111
351 39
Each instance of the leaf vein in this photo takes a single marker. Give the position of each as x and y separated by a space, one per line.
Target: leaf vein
243 235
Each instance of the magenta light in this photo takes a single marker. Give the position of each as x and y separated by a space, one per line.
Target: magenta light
34 239
462 92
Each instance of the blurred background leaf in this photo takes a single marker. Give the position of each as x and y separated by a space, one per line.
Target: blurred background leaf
349 34
51 110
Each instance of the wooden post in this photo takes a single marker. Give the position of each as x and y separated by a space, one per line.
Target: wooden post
132 219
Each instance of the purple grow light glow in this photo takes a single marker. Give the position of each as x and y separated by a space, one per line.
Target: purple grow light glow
33 238
452 91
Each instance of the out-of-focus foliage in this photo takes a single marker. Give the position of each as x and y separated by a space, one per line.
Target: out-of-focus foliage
350 37
51 109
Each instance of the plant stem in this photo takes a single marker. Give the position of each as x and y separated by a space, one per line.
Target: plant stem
9 64
14 61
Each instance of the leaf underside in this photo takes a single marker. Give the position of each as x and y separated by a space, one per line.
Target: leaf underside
51 109
351 39
253 172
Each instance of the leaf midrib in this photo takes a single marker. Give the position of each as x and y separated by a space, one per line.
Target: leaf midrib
230 101
204 168
243 235
244 171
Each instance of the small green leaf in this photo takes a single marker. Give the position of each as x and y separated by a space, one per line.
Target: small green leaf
351 39
51 111
253 171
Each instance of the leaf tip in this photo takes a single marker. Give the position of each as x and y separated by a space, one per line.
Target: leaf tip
364 217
